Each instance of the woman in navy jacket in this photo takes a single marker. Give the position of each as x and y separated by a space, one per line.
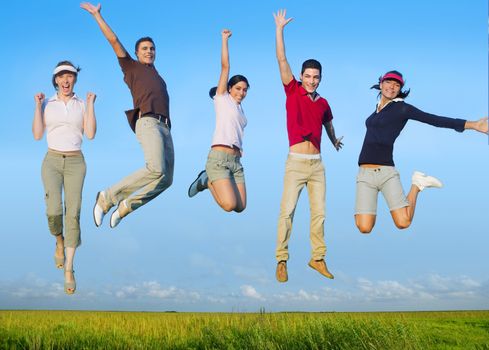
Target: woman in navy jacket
377 172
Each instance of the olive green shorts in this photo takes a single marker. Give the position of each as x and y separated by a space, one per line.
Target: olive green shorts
222 165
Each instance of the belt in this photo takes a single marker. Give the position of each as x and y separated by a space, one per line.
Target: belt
305 156
161 118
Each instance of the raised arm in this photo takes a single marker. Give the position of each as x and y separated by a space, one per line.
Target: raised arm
222 85
479 125
280 23
119 50
331 134
89 121
38 125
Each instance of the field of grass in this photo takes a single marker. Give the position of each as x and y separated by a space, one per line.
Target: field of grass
144 330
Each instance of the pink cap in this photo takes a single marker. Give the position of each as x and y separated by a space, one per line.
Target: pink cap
393 76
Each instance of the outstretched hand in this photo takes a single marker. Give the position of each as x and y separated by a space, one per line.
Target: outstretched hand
280 20
226 33
92 9
480 125
338 144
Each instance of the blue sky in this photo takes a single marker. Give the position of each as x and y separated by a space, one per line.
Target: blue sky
187 254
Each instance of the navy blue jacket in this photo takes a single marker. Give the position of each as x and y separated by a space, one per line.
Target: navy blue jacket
384 127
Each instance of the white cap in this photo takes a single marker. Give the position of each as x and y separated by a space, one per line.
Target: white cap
65 67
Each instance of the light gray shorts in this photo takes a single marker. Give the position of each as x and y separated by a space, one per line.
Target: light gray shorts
222 165
372 180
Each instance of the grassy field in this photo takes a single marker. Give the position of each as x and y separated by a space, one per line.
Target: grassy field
139 330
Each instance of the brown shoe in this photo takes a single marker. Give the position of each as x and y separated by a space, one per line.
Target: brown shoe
320 266
281 272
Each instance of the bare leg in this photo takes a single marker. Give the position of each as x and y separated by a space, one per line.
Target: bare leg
60 247
365 222
241 205
226 194
403 217
70 255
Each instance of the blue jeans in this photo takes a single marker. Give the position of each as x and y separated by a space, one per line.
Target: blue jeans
156 142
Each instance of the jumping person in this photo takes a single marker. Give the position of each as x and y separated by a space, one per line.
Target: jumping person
223 174
307 113
377 172
150 120
65 119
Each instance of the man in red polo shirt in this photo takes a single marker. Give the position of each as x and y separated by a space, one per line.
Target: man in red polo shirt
307 113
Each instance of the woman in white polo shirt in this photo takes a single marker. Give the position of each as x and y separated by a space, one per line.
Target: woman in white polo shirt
223 174
65 119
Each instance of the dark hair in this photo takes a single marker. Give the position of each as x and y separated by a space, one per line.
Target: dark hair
233 81
311 63
146 38
212 92
236 79
64 63
401 94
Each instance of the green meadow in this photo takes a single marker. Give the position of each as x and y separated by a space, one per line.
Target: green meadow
148 330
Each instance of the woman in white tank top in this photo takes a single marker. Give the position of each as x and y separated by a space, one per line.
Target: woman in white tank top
65 118
223 174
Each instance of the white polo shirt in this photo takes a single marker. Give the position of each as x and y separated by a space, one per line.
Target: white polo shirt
230 122
64 123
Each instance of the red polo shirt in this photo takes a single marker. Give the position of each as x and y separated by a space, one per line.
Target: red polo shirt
305 117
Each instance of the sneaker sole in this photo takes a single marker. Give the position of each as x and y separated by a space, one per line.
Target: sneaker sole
93 211
110 219
435 182
120 218
197 179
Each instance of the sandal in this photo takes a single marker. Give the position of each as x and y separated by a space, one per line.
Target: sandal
70 287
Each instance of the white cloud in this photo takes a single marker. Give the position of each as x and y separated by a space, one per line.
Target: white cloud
432 291
389 290
300 296
431 287
250 292
126 292
47 291
216 300
152 289
421 293
306 296
447 284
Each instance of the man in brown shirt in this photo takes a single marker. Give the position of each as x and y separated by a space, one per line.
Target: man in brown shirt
150 120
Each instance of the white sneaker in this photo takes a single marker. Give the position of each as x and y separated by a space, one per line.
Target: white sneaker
98 210
423 181
118 214
199 184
